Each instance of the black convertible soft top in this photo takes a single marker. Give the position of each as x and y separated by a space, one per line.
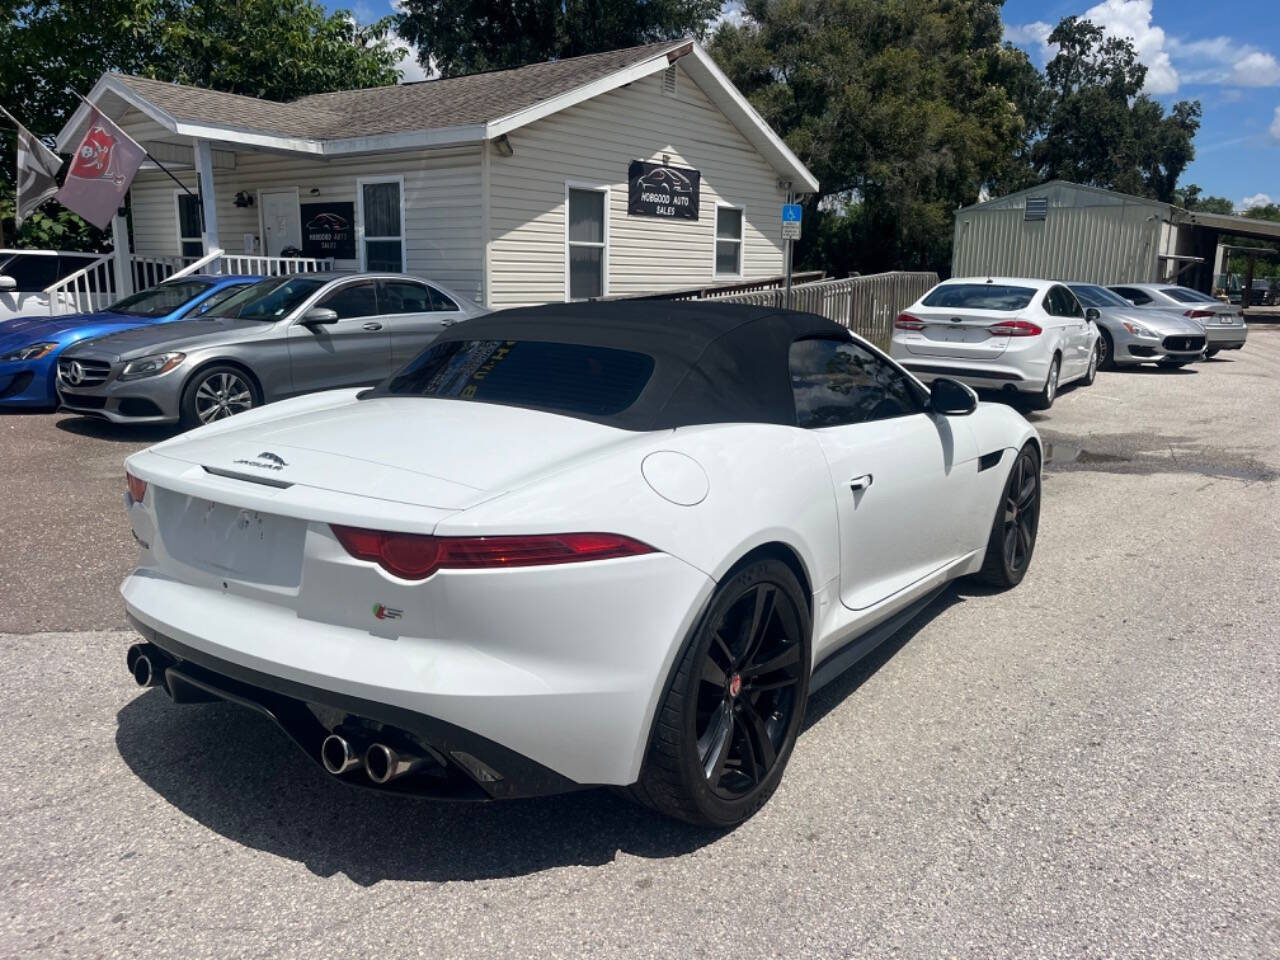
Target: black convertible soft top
712 362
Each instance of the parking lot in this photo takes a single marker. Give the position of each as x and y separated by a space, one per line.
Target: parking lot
1087 766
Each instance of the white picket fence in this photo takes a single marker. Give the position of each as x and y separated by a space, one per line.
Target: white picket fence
89 288
245 264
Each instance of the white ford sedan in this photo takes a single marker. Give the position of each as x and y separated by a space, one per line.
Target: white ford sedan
573 545
1016 335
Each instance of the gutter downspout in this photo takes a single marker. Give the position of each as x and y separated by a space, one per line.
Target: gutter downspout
486 285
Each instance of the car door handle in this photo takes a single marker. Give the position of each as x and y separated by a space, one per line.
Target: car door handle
372 325
858 484
447 322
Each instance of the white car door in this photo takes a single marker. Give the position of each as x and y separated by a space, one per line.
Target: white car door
1073 330
893 467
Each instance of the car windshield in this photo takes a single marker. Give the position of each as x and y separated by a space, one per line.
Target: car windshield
1092 296
570 378
157 301
268 299
979 296
1187 295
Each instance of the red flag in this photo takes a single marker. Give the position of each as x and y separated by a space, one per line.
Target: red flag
101 170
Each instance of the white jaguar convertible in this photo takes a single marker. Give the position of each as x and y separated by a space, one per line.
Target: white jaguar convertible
573 545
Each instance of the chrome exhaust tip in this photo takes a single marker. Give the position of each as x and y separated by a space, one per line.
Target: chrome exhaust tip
339 755
145 664
384 763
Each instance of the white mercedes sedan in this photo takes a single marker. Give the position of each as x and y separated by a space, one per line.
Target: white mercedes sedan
1022 336
573 545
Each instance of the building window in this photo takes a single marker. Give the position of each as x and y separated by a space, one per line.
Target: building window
382 225
586 241
728 241
190 236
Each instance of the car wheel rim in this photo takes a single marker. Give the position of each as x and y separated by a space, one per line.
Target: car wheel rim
748 690
1021 513
1102 351
222 395
1052 386
1093 363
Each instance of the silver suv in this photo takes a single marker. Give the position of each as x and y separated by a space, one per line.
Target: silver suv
278 338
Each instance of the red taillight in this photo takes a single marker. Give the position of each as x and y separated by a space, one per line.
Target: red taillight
414 556
906 321
1014 328
137 488
1199 314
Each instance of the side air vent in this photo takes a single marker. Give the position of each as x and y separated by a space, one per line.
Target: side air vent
669 81
1037 208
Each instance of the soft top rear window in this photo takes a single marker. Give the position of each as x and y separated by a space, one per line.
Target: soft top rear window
979 296
571 378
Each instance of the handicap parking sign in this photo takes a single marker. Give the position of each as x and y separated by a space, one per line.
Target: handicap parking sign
791 213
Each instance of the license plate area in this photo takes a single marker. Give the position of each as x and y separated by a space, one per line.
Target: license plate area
228 541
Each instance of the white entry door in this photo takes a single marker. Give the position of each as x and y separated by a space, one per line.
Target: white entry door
281 222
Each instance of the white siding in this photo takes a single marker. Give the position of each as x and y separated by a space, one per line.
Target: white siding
441 201
593 143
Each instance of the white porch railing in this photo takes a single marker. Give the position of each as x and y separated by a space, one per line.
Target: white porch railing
148 271
245 264
89 288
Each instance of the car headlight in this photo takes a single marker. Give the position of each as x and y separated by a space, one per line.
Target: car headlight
151 366
33 352
1138 330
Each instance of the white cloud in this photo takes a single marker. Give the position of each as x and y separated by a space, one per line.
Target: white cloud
410 69
1257 200
1170 61
1275 125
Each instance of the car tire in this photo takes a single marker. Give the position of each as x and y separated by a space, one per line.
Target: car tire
1171 364
1106 351
1017 517
1049 392
732 709
1091 371
217 392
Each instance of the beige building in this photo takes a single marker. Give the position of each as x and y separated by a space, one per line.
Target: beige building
631 171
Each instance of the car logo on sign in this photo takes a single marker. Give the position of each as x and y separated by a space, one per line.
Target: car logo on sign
266 460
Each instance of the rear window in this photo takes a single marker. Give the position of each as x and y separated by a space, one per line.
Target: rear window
1185 295
570 378
979 296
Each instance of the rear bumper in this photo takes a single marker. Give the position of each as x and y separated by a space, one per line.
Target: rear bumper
1226 338
555 668
989 376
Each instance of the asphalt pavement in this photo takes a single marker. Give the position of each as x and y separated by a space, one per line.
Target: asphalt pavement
1086 766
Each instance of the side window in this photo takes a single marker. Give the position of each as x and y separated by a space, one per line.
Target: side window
1130 293
401 296
837 382
1065 304
440 302
352 301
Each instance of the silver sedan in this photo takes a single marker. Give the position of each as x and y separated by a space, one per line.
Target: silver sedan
278 338
1131 336
1224 325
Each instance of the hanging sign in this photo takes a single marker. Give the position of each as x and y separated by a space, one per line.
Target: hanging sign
656 190
328 230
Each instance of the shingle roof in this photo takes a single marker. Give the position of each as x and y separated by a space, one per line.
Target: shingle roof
430 104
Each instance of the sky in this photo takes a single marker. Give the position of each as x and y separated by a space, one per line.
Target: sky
1226 54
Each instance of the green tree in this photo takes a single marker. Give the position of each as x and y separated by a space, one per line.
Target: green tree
1099 128
466 36
1192 198
904 110
277 49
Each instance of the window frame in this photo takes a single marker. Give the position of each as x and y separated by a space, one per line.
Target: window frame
177 225
716 241
603 246
362 238
917 389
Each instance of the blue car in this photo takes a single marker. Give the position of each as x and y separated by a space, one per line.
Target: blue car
29 346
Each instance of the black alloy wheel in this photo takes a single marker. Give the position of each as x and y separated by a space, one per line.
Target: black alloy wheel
1106 351
1017 522
733 709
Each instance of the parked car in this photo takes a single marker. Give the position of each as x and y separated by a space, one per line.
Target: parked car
280 337
1132 336
583 543
1223 323
31 346
26 274
1018 335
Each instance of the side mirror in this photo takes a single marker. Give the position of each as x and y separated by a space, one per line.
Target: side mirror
8 283
319 317
1092 313
951 397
